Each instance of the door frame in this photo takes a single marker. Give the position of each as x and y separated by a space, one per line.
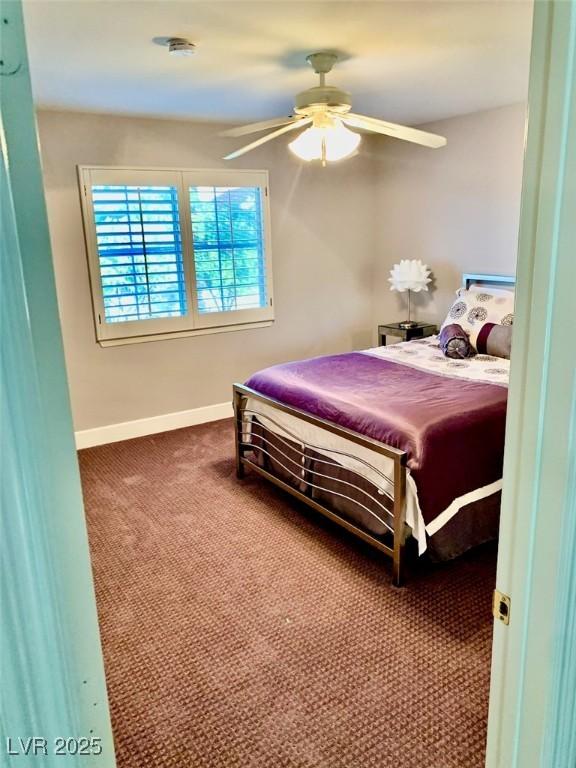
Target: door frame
53 685
532 712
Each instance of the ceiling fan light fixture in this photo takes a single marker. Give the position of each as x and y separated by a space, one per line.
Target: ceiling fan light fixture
328 142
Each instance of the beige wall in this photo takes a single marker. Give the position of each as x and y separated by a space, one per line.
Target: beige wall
456 208
323 241
335 232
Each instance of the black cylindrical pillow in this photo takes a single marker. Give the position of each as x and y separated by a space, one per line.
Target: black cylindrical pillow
454 341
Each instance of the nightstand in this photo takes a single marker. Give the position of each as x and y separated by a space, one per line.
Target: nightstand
419 331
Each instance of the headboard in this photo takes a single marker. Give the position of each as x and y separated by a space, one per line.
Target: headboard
494 281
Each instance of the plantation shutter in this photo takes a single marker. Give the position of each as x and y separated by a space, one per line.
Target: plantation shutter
139 251
173 250
231 247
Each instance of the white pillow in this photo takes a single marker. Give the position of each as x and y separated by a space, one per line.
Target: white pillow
475 306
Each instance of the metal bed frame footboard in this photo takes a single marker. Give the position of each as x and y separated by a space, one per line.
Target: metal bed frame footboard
388 508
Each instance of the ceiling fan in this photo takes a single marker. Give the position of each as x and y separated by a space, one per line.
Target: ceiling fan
324 111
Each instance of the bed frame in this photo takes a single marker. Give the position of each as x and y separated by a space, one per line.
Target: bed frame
252 448
390 505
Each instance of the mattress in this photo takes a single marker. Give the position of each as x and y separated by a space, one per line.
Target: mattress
484 420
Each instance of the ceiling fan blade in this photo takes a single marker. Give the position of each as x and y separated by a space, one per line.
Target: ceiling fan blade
243 130
269 136
397 131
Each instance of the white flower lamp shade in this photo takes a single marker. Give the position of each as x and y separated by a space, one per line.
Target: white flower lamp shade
409 275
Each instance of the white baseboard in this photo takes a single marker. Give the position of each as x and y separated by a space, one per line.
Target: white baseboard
125 430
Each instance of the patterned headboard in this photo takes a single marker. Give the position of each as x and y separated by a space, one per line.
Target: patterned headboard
494 281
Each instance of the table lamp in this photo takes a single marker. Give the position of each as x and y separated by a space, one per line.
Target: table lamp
409 275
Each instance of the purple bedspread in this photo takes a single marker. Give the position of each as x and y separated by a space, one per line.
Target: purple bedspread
451 429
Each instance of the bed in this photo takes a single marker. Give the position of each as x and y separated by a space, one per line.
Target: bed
399 444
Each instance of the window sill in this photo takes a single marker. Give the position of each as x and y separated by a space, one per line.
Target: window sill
182 334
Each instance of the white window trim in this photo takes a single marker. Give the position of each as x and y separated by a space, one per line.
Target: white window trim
193 323
184 334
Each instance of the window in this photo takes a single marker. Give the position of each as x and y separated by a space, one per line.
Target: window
228 257
139 252
174 251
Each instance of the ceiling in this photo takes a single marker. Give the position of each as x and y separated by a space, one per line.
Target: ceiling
404 61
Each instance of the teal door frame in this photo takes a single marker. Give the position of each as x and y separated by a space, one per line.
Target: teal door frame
532 719
52 676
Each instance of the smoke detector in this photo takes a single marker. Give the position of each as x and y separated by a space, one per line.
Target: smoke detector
178 46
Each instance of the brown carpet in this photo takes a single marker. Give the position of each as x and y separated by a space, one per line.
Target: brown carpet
242 629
